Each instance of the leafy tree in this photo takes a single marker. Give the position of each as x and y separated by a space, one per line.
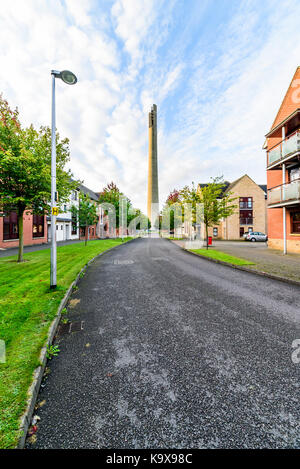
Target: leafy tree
142 222
217 204
172 211
86 214
25 168
112 195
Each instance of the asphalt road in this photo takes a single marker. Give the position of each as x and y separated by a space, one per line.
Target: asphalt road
175 352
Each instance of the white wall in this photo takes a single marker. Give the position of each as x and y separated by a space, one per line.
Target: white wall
62 232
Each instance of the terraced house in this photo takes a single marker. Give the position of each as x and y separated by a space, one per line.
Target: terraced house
37 228
283 172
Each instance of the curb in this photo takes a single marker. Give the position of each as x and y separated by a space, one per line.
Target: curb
39 371
245 269
239 267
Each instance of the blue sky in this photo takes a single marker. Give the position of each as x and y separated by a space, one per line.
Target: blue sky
217 69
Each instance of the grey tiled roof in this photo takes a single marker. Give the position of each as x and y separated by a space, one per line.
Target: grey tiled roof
88 192
229 185
263 187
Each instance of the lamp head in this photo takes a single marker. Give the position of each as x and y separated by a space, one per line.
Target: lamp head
68 77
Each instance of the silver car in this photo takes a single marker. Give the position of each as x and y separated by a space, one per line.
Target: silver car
256 236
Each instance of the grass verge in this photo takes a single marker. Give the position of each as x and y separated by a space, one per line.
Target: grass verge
222 256
27 308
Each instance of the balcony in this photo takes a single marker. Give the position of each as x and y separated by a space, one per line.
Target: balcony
246 221
286 150
284 195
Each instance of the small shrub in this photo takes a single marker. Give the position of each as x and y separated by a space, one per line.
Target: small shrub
52 351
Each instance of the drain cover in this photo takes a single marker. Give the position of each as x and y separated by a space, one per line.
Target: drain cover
123 262
75 326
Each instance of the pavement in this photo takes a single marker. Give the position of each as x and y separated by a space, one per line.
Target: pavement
168 350
37 247
266 260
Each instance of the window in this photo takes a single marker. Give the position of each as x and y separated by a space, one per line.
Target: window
215 231
295 222
10 226
65 208
38 226
246 202
250 229
246 211
74 195
56 227
294 174
61 227
241 232
74 224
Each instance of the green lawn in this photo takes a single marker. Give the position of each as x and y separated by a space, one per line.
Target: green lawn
27 308
222 256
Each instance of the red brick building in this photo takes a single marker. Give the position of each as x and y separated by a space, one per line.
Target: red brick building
35 230
283 172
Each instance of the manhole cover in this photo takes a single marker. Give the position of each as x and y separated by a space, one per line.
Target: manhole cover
123 262
75 326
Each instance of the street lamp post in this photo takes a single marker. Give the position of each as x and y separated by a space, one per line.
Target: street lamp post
69 78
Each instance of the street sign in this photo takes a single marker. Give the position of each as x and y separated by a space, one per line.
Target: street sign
54 211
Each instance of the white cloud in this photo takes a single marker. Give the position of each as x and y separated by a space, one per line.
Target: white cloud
216 100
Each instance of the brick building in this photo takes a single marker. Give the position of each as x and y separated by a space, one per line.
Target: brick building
34 227
96 230
37 228
251 211
283 172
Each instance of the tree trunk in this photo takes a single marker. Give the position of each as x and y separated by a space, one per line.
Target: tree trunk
21 235
86 234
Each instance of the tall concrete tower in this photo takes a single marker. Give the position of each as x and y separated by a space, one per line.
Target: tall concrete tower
152 202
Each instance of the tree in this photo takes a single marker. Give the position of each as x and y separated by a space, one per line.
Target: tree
217 204
25 168
142 222
112 195
86 214
172 211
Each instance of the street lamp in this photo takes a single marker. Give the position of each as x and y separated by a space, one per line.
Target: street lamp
69 78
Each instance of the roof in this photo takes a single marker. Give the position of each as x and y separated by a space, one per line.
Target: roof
263 187
289 104
229 185
278 126
92 195
226 185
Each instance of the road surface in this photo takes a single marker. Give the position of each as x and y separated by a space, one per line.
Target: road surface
175 352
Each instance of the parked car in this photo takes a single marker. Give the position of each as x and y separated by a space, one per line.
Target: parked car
246 234
256 236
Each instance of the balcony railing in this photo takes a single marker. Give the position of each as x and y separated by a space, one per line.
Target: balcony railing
246 221
287 147
284 193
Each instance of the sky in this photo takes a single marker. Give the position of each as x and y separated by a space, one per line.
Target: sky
217 70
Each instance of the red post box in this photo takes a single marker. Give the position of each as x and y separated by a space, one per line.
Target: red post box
210 240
